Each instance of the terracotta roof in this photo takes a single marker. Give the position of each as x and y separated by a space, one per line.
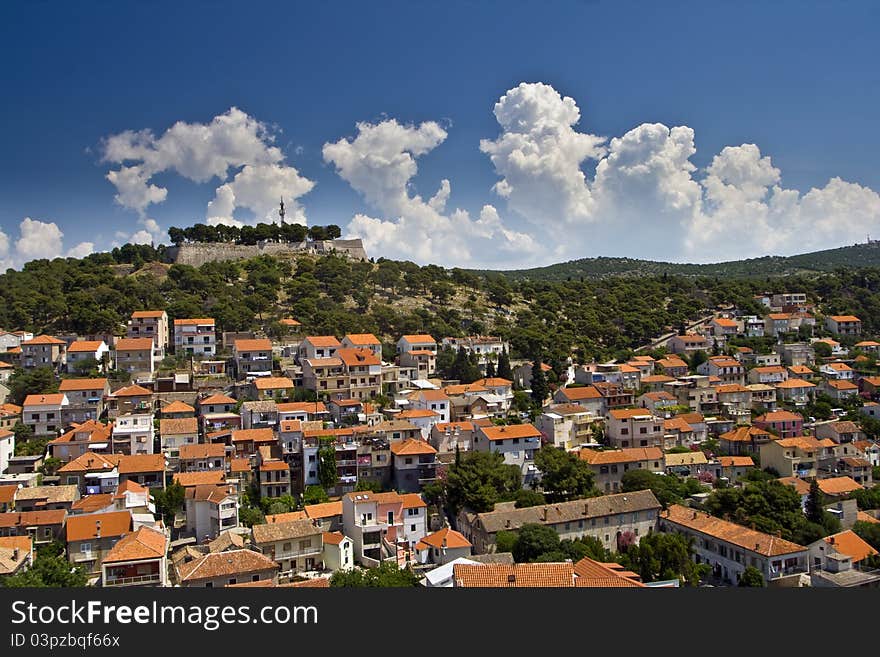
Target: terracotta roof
577 394
354 357
411 446
801 442
202 451
144 314
33 518
253 345
657 378
7 493
129 486
300 407
627 413
137 463
677 424
685 458
627 455
284 531
779 316
845 318
194 322
849 543
506 431
432 395
800 369
271 466
839 367
731 388
445 538
867 343
178 406
333 538
286 517
412 501
451 426
208 477
39 400
225 564
9 562
48 494
723 321
801 486
85 346
322 341
419 339
594 574
289 321
844 426
87 527
779 416
416 412
311 583
217 400
864 517
88 462
239 465
743 434
362 339
178 426
143 543
81 384
132 391
463 389
841 385
272 383
736 461
43 339
794 383
494 382
530 575
134 344
90 430
748 539
256 435
323 510
839 485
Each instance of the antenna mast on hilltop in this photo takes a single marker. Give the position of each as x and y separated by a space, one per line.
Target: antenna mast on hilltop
281 211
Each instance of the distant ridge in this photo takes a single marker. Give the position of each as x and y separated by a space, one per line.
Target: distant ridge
848 257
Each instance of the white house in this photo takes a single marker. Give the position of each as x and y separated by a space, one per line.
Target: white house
133 433
84 350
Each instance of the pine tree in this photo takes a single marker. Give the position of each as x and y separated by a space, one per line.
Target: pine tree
504 371
490 369
539 386
813 508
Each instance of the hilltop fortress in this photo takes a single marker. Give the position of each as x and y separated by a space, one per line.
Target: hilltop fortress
198 253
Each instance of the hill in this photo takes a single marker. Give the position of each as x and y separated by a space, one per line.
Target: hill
857 255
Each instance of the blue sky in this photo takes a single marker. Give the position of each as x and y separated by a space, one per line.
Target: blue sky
797 79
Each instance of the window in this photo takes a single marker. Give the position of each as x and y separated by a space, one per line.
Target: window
232 580
624 431
391 517
412 528
85 548
592 522
286 547
643 429
607 520
408 460
307 543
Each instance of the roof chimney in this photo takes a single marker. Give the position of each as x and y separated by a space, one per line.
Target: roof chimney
511 579
15 554
544 514
97 529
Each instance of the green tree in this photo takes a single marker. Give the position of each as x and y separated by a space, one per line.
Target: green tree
327 472
660 556
564 476
386 575
505 540
39 380
480 480
315 495
814 508
539 387
751 576
526 498
48 570
169 501
868 532
534 540
504 371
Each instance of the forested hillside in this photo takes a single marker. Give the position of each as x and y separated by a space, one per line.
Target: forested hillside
334 295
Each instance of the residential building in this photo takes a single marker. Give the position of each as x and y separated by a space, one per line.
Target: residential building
839 389
7 448
633 427
795 391
363 341
43 351
195 336
252 357
612 519
226 568
797 457
839 431
296 546
274 478
136 356
588 397
272 387
317 347
836 370
798 353
688 343
41 526
175 434
727 369
517 443
433 400
151 324
784 424
16 554
724 327
414 465
130 399
325 376
567 425
419 351
133 434
383 525
84 354
770 375
442 546
210 507
45 498
733 468
730 548
843 324
90 538
137 559
43 414
744 440
193 457
609 466
363 372
672 366
447 436
85 399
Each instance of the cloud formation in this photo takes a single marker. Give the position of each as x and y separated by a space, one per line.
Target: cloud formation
380 163
231 144
37 239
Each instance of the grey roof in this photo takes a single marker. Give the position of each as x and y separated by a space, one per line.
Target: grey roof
260 406
52 494
284 531
493 557
593 507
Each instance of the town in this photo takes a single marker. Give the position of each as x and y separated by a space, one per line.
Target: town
290 458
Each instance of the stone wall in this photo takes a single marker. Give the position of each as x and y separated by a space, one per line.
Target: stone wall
198 253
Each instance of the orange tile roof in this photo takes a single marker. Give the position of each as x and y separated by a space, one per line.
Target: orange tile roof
271 466
88 462
849 543
839 485
736 461
178 407
7 493
627 455
194 322
332 538
216 400
32 518
841 385
38 400
324 362
461 426
627 413
272 383
87 527
748 539
299 407
323 510
411 446
845 318
445 538
413 501
253 345
67 385
132 391
723 321
286 517
731 388
657 378
432 395
594 574
289 321
137 463
506 431
864 517
416 412
528 575
202 451
239 465
322 341
464 388
578 394
794 383
84 346
225 564
208 477
354 357
134 344
143 543
801 486
494 382
867 343
779 416
363 339
174 426
94 430
779 316
257 435
419 339
144 314
43 339
129 486
677 423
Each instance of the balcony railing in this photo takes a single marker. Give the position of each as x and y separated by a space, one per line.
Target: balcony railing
140 579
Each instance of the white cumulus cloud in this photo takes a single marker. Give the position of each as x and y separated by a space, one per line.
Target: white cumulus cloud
380 163
36 240
232 142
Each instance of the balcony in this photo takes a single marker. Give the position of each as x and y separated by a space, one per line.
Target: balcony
129 581
347 462
295 554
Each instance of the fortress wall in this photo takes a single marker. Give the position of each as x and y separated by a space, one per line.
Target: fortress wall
198 253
